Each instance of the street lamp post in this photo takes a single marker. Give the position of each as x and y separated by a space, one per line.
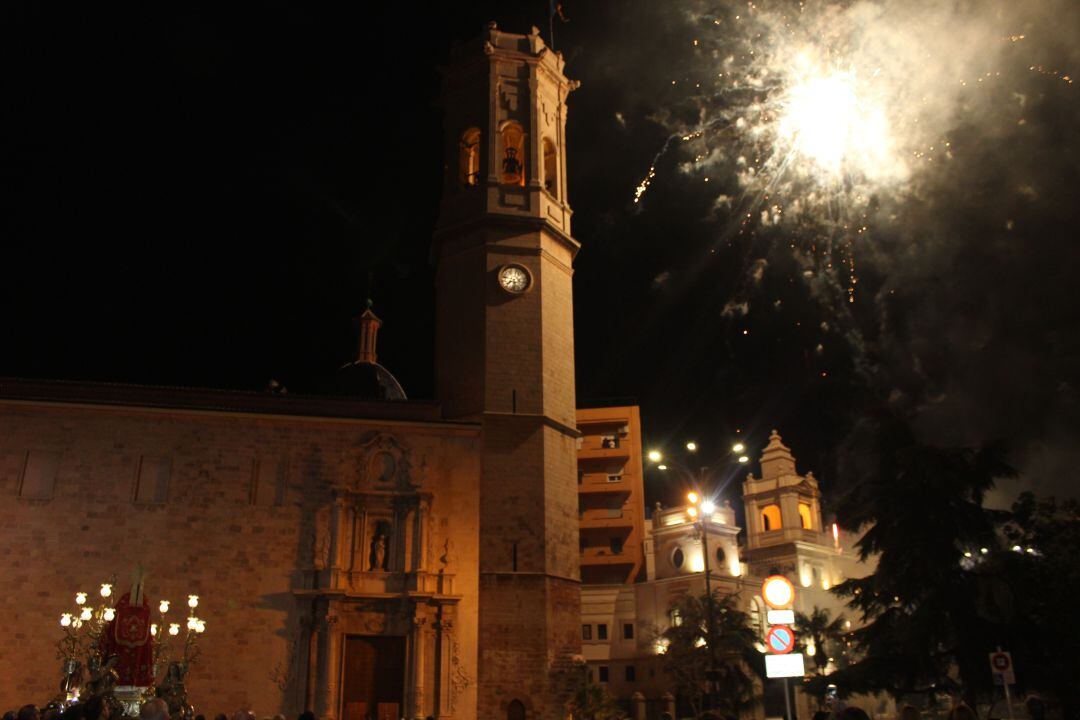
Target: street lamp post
702 509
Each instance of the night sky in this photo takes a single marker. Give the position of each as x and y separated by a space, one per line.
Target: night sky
206 198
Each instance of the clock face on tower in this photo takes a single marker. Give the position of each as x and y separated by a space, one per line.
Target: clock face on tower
514 279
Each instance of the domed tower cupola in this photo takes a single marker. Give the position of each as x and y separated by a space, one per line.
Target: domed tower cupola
364 377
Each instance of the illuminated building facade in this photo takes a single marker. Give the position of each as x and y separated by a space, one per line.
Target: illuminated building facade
357 553
620 623
611 494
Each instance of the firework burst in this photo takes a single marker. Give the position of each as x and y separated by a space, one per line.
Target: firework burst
823 112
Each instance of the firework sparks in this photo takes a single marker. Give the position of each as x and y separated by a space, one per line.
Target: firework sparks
819 111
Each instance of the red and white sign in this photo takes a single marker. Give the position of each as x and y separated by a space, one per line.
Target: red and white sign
1002 668
778 592
780 640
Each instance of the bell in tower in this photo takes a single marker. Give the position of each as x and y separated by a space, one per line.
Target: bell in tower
505 355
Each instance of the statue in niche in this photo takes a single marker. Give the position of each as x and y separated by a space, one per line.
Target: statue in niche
380 542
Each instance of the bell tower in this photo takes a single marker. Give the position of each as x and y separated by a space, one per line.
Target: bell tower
505 355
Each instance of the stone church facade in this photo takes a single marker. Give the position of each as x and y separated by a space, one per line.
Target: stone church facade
355 553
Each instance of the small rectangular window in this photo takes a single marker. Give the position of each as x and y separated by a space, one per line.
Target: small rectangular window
608 442
586 632
631 673
614 478
39 475
601 631
152 481
268 483
628 631
603 673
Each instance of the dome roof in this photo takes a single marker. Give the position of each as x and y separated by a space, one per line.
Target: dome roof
367 380
364 377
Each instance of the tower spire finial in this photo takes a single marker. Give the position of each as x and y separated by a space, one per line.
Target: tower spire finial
369 332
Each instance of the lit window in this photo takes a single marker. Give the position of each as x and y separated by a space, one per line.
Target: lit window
804 516
770 518
513 154
551 168
470 157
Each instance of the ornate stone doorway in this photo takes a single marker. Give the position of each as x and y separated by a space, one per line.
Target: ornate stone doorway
373 678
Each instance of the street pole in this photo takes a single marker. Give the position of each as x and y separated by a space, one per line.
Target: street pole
709 613
787 700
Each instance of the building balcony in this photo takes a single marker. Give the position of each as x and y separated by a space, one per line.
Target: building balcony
604 556
623 486
605 519
793 534
595 453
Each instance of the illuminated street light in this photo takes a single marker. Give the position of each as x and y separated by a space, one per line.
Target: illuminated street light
661 467
744 459
691 446
738 447
655 456
708 508
692 497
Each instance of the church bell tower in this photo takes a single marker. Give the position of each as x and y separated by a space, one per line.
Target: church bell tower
505 356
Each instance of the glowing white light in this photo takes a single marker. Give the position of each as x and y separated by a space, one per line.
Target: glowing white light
738 447
163 606
661 467
80 598
193 601
708 507
174 628
691 446
655 456
692 497
109 614
192 622
811 649
86 614
700 642
691 511
744 459
778 592
200 626
153 629
106 590
65 619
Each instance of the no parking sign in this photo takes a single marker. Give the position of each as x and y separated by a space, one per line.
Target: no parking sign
1002 667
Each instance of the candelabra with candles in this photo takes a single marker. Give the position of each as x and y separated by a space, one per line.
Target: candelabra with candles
167 633
83 646
82 637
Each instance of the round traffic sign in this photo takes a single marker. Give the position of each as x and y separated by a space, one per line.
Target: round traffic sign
780 640
778 592
1001 662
